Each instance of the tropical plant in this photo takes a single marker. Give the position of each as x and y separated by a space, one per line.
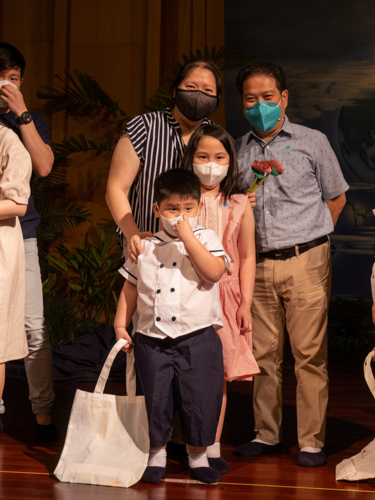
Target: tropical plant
87 275
63 319
57 214
83 96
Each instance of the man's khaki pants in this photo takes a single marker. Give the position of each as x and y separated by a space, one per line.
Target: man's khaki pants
292 295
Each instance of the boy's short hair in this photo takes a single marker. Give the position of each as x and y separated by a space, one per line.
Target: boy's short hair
10 58
262 68
177 182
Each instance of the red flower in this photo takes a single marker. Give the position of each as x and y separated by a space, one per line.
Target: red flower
262 166
275 165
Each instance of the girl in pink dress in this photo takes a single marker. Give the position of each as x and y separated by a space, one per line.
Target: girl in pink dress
211 154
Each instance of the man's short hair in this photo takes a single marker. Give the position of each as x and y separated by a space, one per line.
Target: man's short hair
10 58
262 68
177 182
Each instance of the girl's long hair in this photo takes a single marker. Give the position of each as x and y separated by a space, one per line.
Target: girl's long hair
229 185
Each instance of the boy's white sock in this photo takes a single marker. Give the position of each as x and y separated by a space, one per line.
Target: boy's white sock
198 460
214 451
2 407
309 449
157 458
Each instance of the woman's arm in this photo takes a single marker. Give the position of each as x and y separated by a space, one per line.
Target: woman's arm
247 254
125 167
10 209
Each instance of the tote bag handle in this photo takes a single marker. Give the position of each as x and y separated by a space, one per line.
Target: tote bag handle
369 377
130 370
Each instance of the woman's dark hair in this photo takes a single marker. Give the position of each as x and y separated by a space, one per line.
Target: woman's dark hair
10 58
262 68
229 185
198 63
177 182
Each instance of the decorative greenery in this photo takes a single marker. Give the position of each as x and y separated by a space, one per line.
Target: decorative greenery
83 96
88 275
62 317
57 214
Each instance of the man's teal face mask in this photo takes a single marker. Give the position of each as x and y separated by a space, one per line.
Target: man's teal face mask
264 115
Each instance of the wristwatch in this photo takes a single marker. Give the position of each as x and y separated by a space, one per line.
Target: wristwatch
25 118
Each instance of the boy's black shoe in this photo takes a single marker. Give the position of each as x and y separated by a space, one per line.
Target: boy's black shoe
152 474
205 475
219 464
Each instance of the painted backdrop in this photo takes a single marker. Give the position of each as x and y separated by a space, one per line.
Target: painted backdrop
327 49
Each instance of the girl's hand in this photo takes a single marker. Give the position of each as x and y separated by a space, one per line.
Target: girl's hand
183 229
252 199
244 319
134 247
121 333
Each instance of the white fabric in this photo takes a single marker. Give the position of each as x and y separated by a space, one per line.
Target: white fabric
360 466
107 442
260 441
309 449
214 451
172 299
198 460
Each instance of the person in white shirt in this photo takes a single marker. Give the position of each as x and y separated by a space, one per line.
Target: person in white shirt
174 290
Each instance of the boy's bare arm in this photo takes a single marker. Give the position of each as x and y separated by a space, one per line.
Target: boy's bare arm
209 267
125 309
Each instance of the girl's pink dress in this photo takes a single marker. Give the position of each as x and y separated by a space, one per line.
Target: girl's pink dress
225 217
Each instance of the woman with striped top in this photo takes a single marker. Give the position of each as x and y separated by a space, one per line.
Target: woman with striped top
154 143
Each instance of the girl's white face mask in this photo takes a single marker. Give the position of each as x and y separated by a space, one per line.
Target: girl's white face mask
3 104
169 223
210 174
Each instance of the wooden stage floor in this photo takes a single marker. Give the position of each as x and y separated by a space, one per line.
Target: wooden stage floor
26 469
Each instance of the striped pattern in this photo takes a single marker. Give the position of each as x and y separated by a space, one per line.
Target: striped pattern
159 146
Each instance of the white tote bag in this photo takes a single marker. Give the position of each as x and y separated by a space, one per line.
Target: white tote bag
107 442
362 465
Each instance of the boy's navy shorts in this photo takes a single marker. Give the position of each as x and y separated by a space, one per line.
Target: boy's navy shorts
186 373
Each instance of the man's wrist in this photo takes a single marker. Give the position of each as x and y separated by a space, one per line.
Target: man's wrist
24 118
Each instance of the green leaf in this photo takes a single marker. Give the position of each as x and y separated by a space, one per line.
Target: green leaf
76 288
56 262
49 284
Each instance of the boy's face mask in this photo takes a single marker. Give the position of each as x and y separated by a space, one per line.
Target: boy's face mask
169 223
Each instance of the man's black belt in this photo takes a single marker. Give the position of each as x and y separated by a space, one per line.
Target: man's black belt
287 253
